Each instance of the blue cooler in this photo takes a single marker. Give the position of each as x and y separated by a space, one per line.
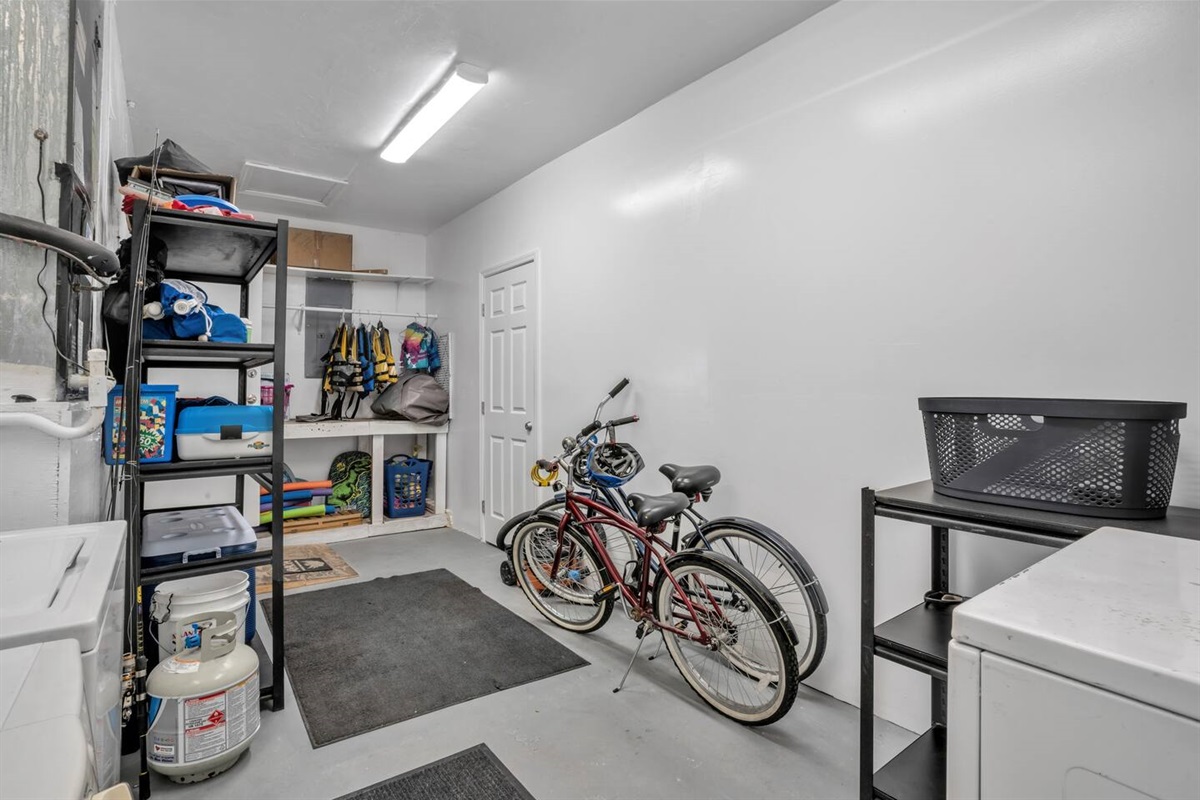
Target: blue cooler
198 534
216 432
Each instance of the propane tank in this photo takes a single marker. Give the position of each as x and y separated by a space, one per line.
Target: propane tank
203 704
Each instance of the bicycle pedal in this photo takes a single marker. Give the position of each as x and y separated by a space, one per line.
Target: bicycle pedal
602 594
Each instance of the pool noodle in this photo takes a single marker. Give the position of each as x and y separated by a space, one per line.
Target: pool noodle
294 513
300 485
265 507
297 495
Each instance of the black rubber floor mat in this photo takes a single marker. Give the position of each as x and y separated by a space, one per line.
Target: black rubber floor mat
470 775
363 656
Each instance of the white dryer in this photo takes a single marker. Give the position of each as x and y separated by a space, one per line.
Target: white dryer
44 742
69 583
1080 677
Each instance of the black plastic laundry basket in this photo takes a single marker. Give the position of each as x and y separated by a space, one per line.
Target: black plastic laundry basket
1099 458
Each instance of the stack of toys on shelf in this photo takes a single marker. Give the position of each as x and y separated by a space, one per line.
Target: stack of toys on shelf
305 508
342 500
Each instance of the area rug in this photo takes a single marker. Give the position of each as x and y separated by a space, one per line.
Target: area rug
305 565
366 655
473 774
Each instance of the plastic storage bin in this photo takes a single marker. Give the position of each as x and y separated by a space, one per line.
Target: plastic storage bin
267 392
1097 458
197 534
180 537
217 432
406 480
156 424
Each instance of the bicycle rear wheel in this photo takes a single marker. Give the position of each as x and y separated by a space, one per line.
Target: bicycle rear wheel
783 578
748 671
564 593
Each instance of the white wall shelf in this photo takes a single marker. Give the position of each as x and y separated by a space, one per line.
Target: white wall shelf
370 434
349 275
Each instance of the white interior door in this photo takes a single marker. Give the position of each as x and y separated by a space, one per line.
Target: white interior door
509 405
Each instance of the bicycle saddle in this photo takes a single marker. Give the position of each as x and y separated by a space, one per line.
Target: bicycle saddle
691 480
653 509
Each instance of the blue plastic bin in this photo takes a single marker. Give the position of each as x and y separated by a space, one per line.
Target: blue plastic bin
156 431
406 480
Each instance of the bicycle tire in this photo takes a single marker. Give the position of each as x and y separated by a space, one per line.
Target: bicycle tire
622 548
806 616
565 598
754 648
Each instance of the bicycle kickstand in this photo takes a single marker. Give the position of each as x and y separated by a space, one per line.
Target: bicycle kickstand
658 649
641 640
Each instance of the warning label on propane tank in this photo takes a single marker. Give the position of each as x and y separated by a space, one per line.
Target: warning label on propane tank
194 729
204 727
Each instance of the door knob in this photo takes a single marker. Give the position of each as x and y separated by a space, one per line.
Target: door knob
528 426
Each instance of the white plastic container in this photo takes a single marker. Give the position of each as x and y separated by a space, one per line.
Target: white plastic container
203 706
220 432
185 607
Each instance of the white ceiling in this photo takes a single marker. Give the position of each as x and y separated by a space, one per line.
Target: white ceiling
320 86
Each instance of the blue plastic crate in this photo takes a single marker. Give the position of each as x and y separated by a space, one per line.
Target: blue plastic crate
406 480
156 429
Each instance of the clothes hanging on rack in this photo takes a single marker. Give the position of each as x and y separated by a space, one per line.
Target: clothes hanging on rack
343 375
366 357
392 372
419 349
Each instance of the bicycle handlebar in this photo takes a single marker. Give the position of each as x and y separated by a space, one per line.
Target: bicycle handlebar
547 464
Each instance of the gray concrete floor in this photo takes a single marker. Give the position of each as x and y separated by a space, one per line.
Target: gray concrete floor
567 736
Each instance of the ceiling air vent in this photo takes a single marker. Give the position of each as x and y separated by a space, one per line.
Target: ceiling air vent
288 185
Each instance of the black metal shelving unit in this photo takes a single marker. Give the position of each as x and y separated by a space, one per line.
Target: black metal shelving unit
207 249
919 638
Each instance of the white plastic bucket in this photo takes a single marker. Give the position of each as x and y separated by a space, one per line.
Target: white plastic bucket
174 602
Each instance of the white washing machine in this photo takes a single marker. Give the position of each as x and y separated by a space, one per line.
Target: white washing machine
45 751
69 583
1080 677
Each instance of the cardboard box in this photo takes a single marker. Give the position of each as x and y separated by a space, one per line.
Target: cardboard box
320 249
227 182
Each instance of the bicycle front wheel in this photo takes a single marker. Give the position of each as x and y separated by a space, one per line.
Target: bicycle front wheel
561 576
781 575
746 668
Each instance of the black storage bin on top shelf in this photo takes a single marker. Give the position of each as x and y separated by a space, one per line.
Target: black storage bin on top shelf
1098 458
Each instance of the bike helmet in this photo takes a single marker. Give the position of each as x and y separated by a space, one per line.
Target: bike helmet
613 464
579 464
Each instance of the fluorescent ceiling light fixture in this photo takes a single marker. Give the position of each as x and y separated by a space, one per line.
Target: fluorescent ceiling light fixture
463 83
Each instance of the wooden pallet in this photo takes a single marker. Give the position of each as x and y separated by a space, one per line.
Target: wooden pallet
306 524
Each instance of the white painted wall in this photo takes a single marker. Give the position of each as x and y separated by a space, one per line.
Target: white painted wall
890 200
